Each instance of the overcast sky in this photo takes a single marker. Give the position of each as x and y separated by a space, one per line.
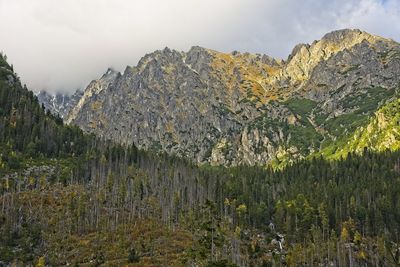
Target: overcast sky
60 45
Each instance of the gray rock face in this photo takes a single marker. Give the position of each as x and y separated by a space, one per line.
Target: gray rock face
59 104
240 108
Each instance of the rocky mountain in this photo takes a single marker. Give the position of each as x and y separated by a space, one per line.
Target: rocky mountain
59 104
240 108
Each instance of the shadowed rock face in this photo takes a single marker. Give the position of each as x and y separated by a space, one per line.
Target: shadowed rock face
242 108
59 104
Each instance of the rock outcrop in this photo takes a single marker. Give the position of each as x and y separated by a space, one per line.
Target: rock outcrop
59 104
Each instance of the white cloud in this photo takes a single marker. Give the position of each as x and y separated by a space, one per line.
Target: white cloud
61 45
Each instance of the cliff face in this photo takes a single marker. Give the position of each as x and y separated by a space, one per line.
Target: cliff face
59 104
241 108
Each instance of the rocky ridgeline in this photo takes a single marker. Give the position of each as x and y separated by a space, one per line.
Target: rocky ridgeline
59 104
241 108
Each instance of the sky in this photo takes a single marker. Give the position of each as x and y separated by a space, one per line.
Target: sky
61 45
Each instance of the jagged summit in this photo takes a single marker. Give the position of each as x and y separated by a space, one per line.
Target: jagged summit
342 35
110 72
93 89
296 49
339 35
305 57
337 40
197 48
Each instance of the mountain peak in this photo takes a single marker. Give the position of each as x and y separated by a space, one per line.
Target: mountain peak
339 35
305 57
110 72
349 37
166 50
197 48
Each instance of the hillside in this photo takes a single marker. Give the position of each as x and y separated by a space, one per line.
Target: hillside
240 108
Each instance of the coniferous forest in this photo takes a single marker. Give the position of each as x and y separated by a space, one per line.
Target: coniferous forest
69 198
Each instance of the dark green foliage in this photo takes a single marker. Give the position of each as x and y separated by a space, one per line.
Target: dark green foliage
133 256
301 106
25 127
345 124
19 243
98 259
361 106
357 187
221 263
303 134
367 101
29 133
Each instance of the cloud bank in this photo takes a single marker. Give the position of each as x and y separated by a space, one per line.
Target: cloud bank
61 45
